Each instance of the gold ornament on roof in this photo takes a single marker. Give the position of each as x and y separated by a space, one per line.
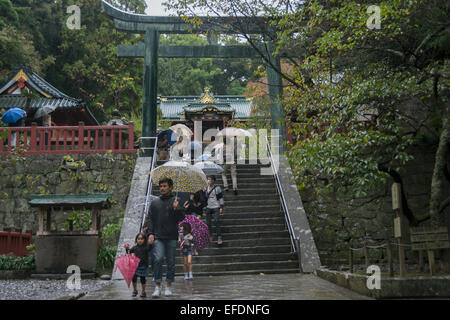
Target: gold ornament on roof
207 97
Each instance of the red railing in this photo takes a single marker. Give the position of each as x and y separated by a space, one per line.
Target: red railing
15 243
67 140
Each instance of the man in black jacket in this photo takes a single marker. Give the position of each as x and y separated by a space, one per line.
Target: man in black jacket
162 229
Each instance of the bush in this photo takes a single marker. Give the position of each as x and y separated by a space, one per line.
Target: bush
8 262
106 256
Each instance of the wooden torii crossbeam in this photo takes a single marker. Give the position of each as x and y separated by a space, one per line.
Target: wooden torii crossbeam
150 50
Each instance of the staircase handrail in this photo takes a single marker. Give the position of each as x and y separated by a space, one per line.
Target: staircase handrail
150 182
284 206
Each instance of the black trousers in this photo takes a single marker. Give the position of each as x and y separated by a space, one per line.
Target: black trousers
143 280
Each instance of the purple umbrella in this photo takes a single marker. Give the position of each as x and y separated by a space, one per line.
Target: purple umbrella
199 230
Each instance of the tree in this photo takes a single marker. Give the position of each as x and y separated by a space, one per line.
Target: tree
359 97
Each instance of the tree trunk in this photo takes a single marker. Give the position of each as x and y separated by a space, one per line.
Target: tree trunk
438 179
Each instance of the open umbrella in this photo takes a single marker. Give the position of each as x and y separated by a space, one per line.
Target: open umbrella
234 132
44 110
209 167
170 135
195 145
181 128
185 177
127 264
13 115
199 230
204 157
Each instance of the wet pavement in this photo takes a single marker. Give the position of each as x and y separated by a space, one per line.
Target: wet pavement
237 287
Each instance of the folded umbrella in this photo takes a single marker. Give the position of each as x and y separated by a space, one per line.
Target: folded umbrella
13 115
127 264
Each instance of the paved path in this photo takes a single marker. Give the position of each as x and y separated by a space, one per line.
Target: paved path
239 287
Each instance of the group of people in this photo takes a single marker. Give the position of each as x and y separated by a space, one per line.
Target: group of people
161 234
177 152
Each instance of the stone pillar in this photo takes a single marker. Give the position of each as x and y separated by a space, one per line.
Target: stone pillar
149 98
276 94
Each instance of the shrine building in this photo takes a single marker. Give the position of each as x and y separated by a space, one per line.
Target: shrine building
28 91
213 111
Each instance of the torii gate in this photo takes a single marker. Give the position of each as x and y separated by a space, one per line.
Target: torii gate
153 26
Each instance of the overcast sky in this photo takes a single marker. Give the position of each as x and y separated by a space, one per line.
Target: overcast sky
155 8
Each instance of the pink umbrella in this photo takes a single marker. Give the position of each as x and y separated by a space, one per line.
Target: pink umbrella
199 230
127 264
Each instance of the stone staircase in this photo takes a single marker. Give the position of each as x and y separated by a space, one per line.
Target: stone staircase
255 238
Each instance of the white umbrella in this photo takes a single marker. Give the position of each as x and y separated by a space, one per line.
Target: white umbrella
209 167
234 132
44 110
185 131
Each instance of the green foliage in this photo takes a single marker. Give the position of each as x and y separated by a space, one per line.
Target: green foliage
9 262
81 221
111 232
106 256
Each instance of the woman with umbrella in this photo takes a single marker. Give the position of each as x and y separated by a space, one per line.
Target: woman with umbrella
14 118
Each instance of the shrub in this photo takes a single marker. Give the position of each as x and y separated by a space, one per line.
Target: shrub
106 256
9 262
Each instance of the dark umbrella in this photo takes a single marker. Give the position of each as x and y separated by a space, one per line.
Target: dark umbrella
13 115
169 136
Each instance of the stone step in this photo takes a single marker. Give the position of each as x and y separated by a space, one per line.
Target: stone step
252 215
254 235
244 272
256 203
256 266
231 208
243 243
226 229
235 258
249 221
242 186
214 250
230 196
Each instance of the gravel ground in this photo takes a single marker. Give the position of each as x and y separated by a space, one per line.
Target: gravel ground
45 289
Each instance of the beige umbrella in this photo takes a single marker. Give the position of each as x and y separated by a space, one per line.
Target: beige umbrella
185 177
234 132
181 128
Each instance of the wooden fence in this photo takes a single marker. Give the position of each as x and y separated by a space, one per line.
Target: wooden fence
14 242
67 139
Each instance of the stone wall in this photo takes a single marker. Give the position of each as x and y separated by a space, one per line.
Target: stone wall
337 220
21 176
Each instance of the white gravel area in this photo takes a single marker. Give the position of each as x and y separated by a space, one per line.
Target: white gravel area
33 289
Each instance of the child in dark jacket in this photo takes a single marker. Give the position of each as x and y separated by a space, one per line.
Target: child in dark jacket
141 250
186 240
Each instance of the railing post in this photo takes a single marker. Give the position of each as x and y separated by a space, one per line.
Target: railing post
299 256
8 242
366 256
389 256
350 258
33 142
80 136
131 136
